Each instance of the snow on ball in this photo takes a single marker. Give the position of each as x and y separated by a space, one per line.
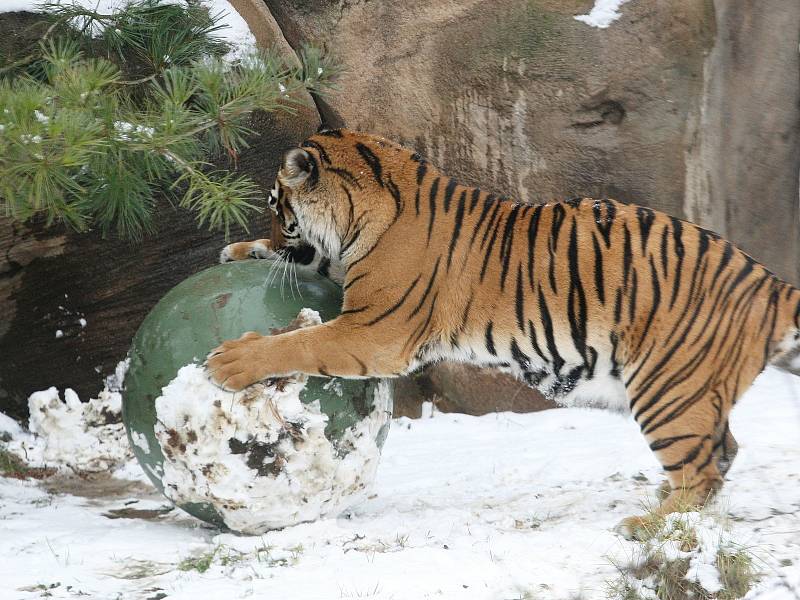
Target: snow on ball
260 456
280 452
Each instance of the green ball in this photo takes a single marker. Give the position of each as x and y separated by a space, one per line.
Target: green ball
222 303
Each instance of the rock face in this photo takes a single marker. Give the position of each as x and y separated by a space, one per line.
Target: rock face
743 144
691 106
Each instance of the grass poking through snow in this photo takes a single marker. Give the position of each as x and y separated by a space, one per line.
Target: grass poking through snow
226 557
685 556
13 466
200 563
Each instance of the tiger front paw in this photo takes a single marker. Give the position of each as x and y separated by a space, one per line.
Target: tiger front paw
235 364
245 250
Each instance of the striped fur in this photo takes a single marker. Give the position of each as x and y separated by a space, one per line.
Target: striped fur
592 301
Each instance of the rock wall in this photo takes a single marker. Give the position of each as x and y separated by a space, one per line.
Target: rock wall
688 106
743 138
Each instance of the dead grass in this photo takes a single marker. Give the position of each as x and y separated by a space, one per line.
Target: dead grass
661 562
13 466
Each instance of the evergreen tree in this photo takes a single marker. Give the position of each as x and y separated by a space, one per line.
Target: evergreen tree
113 110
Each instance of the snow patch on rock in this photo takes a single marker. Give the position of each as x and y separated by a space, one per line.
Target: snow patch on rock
603 13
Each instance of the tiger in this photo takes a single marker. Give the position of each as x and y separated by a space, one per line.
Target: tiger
593 301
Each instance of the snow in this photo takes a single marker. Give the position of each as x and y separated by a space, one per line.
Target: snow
603 13
236 32
70 435
115 381
128 131
261 457
426 410
696 539
272 464
140 441
495 507
9 426
30 139
18 5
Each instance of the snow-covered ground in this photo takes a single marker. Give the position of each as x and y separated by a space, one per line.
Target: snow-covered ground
498 507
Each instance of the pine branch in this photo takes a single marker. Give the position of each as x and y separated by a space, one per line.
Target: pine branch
84 146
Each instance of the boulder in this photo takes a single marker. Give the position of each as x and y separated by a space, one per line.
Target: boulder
455 387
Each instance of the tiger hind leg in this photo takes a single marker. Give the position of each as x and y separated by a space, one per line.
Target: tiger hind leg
244 250
725 450
695 448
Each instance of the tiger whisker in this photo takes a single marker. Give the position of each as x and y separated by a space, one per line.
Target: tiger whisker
290 267
273 271
286 264
297 281
272 267
280 263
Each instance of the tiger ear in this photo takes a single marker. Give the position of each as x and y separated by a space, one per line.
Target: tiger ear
297 167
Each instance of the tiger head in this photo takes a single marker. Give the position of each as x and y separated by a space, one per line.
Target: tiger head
338 189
